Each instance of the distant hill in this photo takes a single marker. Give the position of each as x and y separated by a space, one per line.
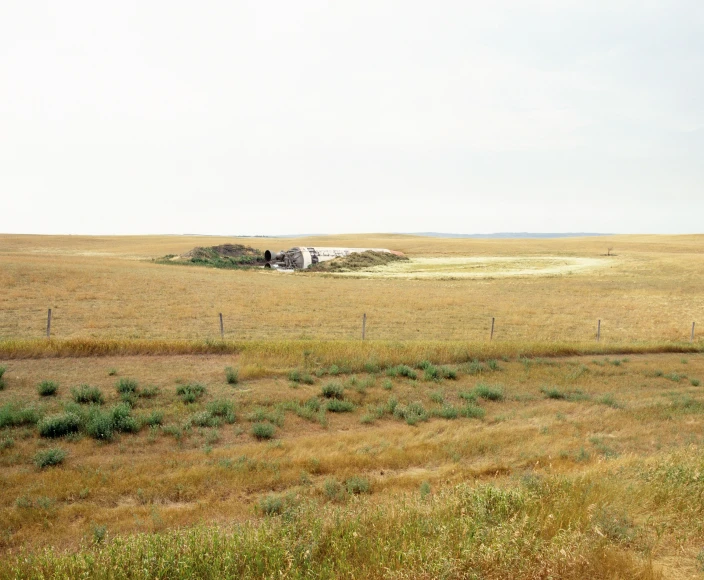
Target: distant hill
509 235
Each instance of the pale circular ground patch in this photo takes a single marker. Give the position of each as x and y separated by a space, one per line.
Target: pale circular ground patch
479 267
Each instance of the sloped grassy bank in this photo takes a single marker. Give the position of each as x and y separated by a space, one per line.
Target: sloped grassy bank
541 528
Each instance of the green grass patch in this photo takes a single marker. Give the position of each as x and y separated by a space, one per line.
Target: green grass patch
49 457
87 395
190 392
47 388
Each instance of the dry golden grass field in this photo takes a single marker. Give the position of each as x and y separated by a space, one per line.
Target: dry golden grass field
108 288
294 449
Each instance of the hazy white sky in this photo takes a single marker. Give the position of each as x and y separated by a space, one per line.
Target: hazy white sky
227 117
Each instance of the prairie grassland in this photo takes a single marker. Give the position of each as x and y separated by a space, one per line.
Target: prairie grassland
525 467
107 287
425 452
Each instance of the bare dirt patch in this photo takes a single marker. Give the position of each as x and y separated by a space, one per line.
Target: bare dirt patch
478 267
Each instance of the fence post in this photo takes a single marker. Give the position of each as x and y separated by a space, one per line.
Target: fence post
691 338
491 336
48 324
598 330
222 328
364 325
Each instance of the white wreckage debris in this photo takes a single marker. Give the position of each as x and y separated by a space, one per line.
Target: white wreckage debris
300 258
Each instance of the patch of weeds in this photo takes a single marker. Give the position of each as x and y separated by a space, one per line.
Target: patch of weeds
334 490
371 367
615 362
296 376
126 386
122 419
598 363
271 505
674 377
260 415
582 456
223 409
684 361
6 443
424 490
99 425
488 392
402 371
204 419
446 412
333 391
59 425
424 364
431 373
448 373
212 437
154 419
174 430
263 431
387 385
471 411
129 398
412 413
112 372
338 406
437 397
232 375
694 382
47 388
49 457
493 365
602 448
470 396
356 485
578 372
557 394
23 502
99 534
149 392
190 392
334 370
12 415
609 401
85 394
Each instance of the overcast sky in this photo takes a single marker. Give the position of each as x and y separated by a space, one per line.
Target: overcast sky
227 117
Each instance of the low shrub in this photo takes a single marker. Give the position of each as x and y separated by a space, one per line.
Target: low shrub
489 393
2 380
387 385
12 415
437 397
271 505
263 430
553 393
471 411
402 371
371 367
260 414
85 394
125 385
49 457
191 392
47 388
122 419
446 412
338 406
411 413
99 425
448 373
154 419
694 382
204 419
148 392
356 485
59 425
222 408
333 391
334 490
431 373
232 375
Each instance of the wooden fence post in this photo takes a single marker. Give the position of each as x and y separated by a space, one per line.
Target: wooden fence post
598 330
222 328
491 336
364 325
48 324
691 338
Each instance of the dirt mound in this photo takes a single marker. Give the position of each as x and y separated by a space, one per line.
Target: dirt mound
224 256
223 251
357 261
